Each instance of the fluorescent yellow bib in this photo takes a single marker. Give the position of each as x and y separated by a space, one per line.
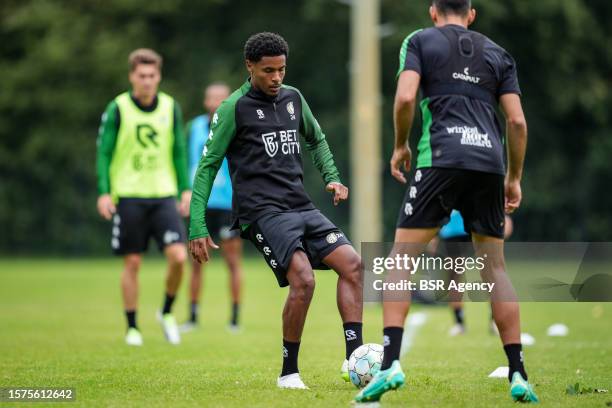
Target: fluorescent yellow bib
142 164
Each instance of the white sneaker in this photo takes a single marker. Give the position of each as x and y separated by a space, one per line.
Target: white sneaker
133 337
234 328
291 381
188 327
170 328
456 330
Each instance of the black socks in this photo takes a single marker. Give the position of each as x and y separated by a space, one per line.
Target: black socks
235 311
290 357
459 315
352 336
193 312
194 309
514 352
392 341
168 301
131 319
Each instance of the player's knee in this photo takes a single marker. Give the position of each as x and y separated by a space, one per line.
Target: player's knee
494 267
132 263
177 255
303 286
353 269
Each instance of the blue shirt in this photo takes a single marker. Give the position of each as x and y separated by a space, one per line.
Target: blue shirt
221 195
454 227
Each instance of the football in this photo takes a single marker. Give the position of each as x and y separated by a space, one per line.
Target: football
364 363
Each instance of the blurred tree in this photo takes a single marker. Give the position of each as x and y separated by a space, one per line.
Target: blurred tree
61 61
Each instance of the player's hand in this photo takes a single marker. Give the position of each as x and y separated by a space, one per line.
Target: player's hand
106 207
199 248
513 196
340 191
183 206
401 156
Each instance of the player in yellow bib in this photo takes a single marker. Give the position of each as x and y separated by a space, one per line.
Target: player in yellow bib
142 170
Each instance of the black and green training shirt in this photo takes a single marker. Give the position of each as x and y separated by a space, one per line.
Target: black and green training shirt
463 74
259 135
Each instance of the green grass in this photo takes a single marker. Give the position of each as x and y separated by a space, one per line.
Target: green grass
61 325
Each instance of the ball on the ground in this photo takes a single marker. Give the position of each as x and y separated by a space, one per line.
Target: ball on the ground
364 363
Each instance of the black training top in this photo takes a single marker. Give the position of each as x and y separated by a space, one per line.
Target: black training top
259 135
463 74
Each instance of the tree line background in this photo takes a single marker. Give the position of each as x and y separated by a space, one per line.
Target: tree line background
61 61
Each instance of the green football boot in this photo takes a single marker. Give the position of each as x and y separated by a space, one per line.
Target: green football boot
390 379
521 390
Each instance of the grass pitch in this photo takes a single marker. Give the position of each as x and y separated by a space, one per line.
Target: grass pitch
62 325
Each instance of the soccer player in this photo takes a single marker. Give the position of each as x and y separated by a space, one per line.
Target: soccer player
142 169
219 210
257 129
464 77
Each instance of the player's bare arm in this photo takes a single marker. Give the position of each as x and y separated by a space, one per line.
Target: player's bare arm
516 132
403 117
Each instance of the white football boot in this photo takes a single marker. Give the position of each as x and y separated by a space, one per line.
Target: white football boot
133 337
170 328
291 381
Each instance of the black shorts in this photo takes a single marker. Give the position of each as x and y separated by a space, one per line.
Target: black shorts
278 235
139 219
434 192
219 224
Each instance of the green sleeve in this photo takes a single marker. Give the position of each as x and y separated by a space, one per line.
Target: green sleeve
107 137
317 145
179 153
222 131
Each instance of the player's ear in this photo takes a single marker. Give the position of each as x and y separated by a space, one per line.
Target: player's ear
471 16
249 66
433 13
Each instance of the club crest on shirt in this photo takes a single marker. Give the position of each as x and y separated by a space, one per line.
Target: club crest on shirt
291 110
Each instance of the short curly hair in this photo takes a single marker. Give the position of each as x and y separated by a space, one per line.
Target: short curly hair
265 44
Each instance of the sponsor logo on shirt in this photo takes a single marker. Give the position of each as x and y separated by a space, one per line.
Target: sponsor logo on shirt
470 136
286 141
260 114
465 76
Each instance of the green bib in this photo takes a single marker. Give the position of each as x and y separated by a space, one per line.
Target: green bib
142 164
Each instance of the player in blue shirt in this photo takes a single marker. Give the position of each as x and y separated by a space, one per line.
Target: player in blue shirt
219 210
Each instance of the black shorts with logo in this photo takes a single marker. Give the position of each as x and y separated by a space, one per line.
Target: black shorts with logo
139 219
219 224
278 235
434 192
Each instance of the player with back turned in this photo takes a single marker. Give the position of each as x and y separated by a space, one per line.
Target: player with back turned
257 129
464 77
